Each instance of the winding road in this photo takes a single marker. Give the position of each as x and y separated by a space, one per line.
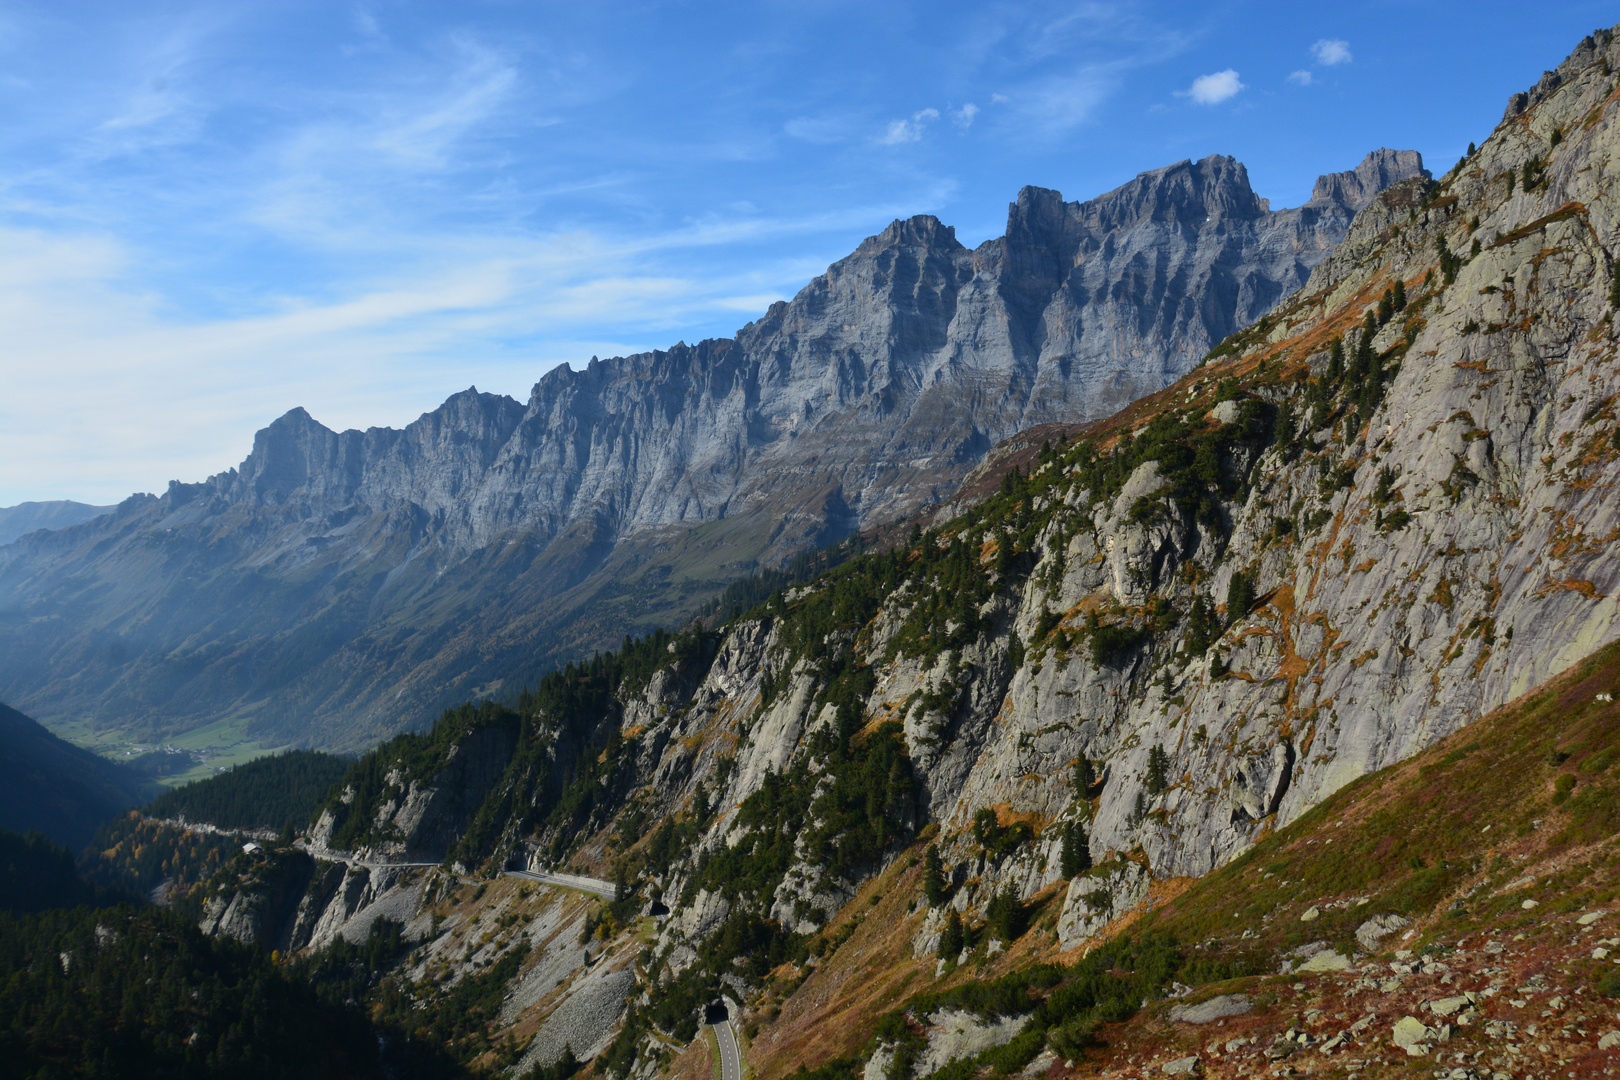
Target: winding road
730 1056
594 886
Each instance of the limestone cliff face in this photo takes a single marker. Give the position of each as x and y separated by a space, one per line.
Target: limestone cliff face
341 585
421 819
1416 561
1230 599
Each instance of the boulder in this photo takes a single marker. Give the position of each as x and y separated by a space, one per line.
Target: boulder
1411 1032
1215 1008
1450 1005
1377 928
1326 960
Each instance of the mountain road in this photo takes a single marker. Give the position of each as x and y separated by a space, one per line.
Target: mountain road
594 886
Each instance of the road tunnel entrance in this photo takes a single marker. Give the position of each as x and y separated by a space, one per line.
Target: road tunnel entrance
716 1013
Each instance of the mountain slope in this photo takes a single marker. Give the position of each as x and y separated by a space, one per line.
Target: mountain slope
25 517
1403 894
1381 512
342 586
53 787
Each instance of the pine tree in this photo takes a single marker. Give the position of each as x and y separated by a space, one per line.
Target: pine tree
1085 775
1239 597
1076 850
622 889
1614 288
952 938
1158 776
1386 307
986 828
1398 295
1006 915
1201 627
933 877
1283 431
1004 554
1336 359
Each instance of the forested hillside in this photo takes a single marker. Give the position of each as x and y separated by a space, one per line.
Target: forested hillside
277 792
48 785
124 992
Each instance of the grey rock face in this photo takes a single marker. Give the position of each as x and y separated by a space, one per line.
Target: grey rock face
1376 632
424 821
342 585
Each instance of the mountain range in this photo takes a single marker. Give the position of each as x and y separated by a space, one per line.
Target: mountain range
1266 726
338 587
1381 512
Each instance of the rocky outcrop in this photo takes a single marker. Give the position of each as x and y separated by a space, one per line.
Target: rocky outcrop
340 586
262 900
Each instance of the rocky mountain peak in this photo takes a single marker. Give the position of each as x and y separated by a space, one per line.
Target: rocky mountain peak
923 230
1188 193
286 454
1590 51
1380 169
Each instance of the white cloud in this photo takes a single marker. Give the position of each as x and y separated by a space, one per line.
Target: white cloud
1330 51
963 117
1301 78
909 131
999 99
1216 88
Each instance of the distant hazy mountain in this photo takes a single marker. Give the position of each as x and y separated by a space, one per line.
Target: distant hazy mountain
51 786
342 586
56 514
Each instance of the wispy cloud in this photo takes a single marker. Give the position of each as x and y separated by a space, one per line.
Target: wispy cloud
1331 51
1216 88
1300 78
1060 102
153 98
1057 66
211 213
481 85
908 131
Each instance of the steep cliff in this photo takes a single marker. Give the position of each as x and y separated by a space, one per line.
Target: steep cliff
1375 515
338 587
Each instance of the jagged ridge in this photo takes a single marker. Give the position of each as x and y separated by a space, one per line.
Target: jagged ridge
339 587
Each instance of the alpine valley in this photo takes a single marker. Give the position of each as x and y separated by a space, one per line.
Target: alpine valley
1209 665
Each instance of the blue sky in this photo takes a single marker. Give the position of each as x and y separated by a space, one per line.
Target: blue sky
213 212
